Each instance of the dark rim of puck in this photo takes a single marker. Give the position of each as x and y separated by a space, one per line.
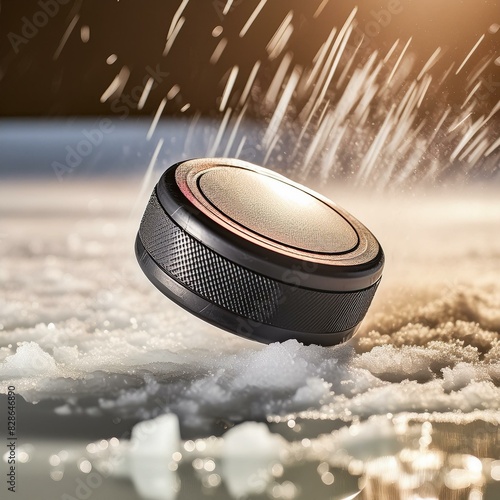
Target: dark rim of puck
252 252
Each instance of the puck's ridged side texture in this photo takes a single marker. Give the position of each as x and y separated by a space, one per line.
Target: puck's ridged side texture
244 292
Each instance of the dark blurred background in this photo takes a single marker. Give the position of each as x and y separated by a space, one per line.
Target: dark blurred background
57 57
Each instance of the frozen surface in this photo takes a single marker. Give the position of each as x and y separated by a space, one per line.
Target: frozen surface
82 327
79 319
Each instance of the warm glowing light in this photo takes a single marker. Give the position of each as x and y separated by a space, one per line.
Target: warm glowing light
217 31
495 470
328 478
85 466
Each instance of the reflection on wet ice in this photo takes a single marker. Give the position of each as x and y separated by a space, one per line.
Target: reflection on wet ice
399 458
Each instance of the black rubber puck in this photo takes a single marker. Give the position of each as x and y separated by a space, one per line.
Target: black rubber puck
254 253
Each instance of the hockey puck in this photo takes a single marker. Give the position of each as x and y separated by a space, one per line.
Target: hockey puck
256 254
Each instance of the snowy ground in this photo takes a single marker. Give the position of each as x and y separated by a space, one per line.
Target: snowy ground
81 326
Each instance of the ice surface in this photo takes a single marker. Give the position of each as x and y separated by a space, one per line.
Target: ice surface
248 452
152 445
79 320
393 454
